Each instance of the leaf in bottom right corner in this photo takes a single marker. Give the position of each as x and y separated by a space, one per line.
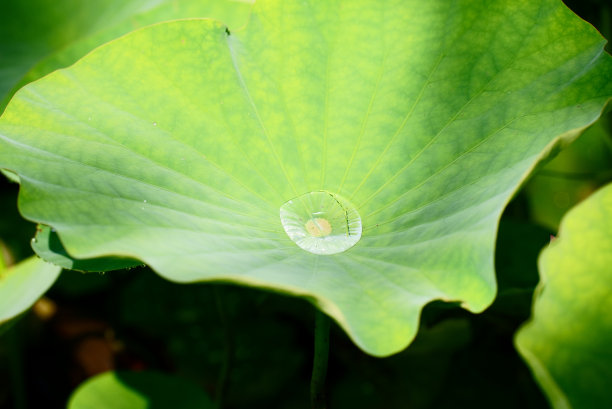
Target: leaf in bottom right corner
568 341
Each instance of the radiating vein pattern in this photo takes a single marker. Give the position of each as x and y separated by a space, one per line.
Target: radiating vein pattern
178 144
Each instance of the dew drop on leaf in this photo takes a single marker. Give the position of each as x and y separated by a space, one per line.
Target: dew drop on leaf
321 222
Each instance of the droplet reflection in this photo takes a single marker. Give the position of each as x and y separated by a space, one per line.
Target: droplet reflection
321 222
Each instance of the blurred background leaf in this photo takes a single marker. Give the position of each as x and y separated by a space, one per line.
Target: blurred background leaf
567 341
572 175
24 283
139 390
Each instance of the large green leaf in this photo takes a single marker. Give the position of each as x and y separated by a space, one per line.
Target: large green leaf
59 32
138 390
22 284
177 145
567 341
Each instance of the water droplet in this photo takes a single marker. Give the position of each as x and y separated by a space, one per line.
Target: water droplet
321 222
154 123
89 118
144 201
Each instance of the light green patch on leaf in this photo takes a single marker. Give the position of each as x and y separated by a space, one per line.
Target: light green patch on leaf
567 341
48 246
138 390
178 144
62 31
23 284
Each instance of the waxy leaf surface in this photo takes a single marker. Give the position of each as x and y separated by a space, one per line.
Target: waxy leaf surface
178 144
567 341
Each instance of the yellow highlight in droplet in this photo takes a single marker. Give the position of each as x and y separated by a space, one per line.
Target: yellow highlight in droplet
318 227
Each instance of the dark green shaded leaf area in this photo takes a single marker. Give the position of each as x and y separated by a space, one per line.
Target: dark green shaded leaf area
518 246
567 341
39 36
177 144
138 390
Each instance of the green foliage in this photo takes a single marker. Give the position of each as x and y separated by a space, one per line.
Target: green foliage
567 341
39 36
177 144
138 390
22 284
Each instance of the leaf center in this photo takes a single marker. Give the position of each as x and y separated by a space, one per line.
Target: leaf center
321 222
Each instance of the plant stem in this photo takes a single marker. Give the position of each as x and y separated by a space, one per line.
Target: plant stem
319 367
228 351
